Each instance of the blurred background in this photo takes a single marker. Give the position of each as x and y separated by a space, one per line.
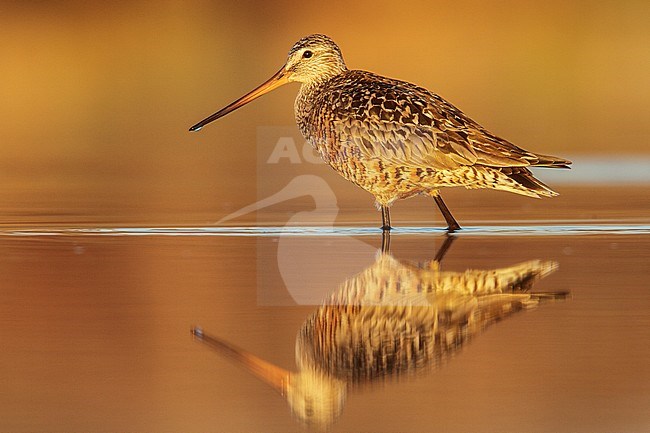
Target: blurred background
97 98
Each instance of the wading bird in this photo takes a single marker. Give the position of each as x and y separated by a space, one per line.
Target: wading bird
393 138
393 319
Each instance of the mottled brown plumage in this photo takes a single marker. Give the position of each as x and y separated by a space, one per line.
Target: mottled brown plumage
393 138
393 319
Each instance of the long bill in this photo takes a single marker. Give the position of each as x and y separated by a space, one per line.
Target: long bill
273 375
277 80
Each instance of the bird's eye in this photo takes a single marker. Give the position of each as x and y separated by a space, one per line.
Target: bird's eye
307 54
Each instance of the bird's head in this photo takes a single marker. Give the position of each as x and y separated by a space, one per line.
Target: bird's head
314 397
312 58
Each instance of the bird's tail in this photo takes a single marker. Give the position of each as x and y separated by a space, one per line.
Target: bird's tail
525 178
527 183
552 162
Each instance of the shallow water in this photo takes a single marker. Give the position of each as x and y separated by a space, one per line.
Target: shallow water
95 322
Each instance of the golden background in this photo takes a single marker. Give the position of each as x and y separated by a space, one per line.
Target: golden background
97 97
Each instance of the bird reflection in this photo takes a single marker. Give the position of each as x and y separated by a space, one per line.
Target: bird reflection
393 319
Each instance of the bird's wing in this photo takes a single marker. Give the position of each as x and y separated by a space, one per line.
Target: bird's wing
396 121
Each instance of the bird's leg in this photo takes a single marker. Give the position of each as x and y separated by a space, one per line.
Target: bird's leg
385 218
444 248
452 224
385 241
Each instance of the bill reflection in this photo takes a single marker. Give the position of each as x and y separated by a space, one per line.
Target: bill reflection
392 319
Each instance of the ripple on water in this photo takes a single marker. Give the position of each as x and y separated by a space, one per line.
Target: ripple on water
263 231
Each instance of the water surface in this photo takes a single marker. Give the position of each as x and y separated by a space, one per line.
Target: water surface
95 326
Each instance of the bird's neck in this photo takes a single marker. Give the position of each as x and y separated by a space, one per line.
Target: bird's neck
307 92
320 80
305 105
310 89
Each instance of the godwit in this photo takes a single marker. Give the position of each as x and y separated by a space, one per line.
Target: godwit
392 319
393 138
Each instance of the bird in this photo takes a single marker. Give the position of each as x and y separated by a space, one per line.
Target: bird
393 319
392 138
